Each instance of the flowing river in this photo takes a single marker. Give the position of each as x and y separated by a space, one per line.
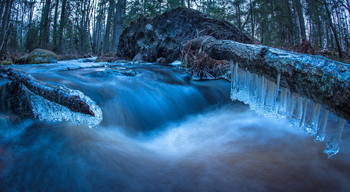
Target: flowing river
160 132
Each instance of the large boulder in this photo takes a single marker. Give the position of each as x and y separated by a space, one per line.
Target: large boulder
37 56
162 38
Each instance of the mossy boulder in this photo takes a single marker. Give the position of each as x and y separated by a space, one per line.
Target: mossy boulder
6 62
37 56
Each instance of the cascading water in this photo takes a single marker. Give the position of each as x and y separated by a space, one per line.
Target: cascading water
163 132
269 99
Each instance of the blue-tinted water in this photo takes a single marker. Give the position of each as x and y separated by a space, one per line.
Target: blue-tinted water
161 132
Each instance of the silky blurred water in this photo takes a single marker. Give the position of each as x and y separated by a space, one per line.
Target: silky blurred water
162 132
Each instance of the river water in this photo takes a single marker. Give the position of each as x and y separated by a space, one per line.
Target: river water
161 132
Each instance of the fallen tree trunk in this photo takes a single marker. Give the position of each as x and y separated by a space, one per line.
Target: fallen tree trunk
57 94
320 79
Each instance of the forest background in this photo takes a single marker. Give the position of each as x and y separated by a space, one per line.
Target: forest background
93 27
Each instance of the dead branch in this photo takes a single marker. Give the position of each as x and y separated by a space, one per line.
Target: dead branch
57 94
323 80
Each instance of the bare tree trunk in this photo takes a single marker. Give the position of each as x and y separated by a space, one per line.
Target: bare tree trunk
183 3
106 46
320 33
5 40
5 20
2 7
335 34
55 26
239 22
252 23
45 25
62 25
22 27
118 23
99 28
82 27
31 13
301 20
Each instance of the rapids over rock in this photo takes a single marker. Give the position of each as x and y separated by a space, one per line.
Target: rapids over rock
159 131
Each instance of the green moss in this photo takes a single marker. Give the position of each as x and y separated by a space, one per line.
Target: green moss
41 53
38 56
5 62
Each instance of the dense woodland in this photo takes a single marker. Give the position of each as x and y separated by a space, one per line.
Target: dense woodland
93 26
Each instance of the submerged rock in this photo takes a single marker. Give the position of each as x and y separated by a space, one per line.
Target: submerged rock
37 56
109 72
161 39
88 60
104 58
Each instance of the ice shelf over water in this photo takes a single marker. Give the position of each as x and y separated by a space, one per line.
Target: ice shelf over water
267 98
46 110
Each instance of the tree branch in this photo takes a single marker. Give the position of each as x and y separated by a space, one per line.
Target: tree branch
320 79
58 94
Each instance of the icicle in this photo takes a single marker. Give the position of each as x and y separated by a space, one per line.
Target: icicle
278 80
291 103
248 86
232 75
256 91
235 79
278 93
242 92
270 99
262 94
282 108
298 112
321 132
251 88
312 123
332 146
303 116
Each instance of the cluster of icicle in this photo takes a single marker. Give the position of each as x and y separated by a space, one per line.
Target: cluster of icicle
269 99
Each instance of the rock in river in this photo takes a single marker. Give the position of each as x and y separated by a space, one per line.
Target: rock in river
37 56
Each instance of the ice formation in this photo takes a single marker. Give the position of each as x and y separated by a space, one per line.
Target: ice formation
46 110
269 99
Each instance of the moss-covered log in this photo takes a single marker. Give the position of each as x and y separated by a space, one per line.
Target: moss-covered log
323 80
